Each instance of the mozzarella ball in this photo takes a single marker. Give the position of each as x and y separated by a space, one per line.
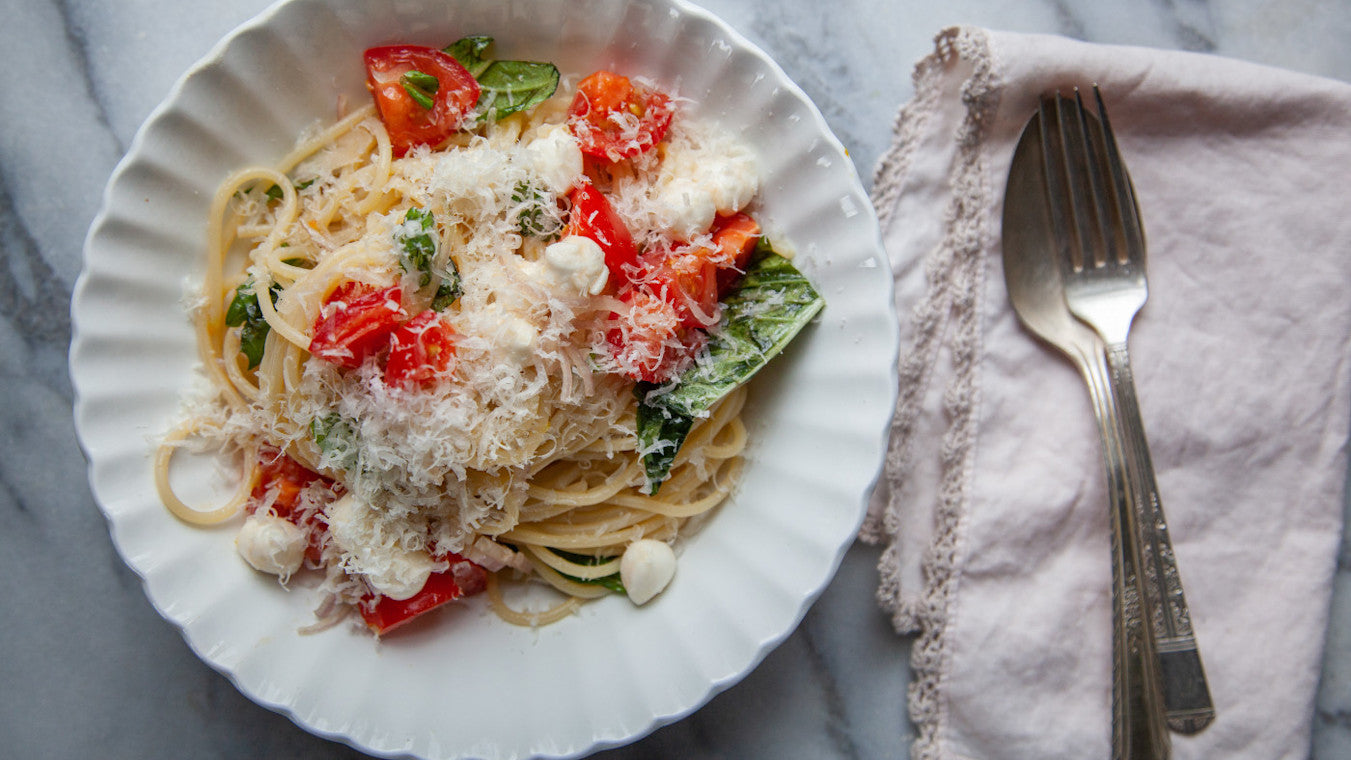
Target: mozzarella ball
578 263
686 207
390 569
646 568
272 545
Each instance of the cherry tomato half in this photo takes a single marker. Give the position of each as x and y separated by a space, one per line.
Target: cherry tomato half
688 280
355 322
285 478
463 578
614 118
592 216
649 342
439 81
735 237
420 350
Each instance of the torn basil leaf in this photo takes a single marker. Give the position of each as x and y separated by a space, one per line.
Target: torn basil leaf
421 87
448 291
418 249
770 305
275 192
469 51
245 313
505 87
336 439
419 254
660 433
532 218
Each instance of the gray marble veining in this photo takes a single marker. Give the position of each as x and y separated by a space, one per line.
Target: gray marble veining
91 670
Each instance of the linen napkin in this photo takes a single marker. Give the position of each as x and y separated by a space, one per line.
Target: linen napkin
994 512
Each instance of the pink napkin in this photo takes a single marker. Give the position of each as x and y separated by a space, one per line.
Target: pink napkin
993 513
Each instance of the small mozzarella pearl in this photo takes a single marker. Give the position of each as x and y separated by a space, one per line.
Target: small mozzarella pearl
271 544
646 568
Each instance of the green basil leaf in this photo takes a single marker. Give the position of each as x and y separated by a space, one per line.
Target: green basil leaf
505 87
421 80
469 51
448 291
418 249
245 313
420 86
419 255
660 434
771 304
253 341
239 305
531 217
336 438
274 193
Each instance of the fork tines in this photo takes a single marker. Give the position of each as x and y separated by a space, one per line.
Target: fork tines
1092 200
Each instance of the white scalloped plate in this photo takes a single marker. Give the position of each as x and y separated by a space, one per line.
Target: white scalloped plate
466 684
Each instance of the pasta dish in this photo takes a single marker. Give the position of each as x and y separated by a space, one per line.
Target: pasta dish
493 327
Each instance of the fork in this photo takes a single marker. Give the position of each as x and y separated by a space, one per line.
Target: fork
1102 266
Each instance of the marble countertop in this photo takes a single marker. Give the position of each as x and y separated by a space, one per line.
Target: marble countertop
90 669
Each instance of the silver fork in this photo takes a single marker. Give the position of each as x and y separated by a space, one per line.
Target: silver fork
1103 273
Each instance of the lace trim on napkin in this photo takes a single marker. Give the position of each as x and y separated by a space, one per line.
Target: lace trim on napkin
950 310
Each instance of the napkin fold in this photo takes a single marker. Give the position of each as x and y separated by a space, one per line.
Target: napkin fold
993 512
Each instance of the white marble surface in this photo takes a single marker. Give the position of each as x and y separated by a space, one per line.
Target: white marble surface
90 670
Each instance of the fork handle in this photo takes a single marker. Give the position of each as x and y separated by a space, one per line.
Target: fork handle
1186 695
1139 729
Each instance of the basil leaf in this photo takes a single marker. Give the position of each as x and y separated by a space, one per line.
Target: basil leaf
505 87
421 80
660 433
469 51
449 291
418 249
531 219
420 86
419 254
253 341
239 305
336 438
770 305
275 193
245 313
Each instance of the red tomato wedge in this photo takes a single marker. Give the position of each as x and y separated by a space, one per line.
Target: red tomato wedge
688 280
420 350
694 279
411 123
355 322
592 216
735 237
285 478
279 472
650 343
463 578
614 118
